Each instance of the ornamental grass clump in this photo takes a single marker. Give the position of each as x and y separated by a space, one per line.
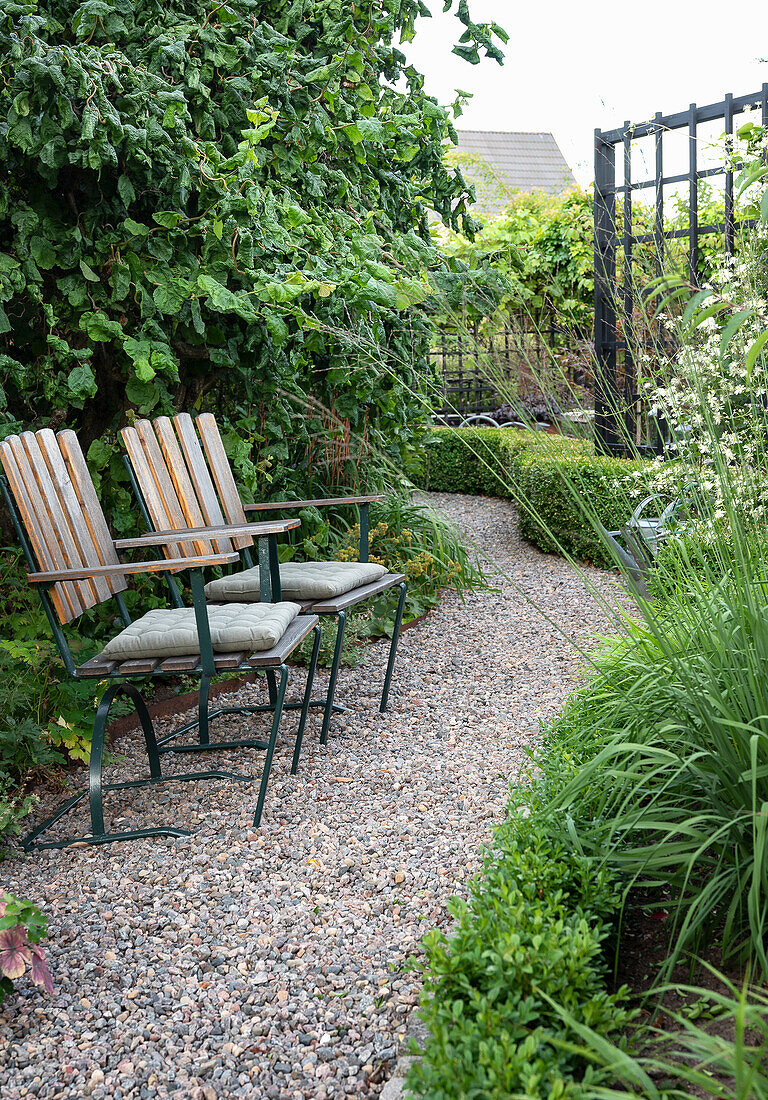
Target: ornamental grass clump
679 792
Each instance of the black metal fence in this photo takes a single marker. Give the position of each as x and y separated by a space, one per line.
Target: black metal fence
482 367
618 407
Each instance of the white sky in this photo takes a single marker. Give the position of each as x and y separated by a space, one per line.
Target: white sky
573 66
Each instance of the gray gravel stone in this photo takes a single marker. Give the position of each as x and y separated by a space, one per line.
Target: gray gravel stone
245 963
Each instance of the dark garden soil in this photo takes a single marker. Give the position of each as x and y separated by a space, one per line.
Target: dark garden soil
644 945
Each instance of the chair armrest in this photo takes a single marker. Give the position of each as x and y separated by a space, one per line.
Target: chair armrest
275 505
187 534
169 565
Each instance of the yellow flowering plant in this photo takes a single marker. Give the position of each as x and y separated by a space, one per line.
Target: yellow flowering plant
411 538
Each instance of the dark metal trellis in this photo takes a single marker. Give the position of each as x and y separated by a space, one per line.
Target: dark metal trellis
616 397
476 371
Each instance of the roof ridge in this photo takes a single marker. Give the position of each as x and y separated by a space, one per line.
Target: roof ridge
521 133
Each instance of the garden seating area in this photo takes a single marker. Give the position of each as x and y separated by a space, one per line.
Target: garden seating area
383 579
270 961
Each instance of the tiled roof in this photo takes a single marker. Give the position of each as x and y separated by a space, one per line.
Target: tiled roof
518 162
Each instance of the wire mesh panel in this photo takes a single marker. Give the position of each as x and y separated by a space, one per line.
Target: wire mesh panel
620 326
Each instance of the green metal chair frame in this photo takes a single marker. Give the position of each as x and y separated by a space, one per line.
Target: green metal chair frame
74 565
180 473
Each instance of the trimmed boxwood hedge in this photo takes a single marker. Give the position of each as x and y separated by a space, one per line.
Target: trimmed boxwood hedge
556 482
477 461
531 943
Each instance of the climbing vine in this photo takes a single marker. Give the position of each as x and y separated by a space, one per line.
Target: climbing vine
218 205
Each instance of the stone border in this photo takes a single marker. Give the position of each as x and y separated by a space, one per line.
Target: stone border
394 1089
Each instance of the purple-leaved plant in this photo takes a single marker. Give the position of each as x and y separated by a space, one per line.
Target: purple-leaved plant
22 926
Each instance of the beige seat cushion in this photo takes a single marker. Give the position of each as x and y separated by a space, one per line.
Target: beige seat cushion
301 580
172 632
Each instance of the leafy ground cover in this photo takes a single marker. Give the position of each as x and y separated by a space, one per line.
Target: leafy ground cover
22 927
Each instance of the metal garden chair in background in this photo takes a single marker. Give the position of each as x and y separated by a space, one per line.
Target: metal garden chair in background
74 565
182 477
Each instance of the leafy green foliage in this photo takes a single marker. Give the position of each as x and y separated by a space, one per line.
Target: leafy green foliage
477 461
541 248
527 949
208 205
415 540
45 716
22 926
14 807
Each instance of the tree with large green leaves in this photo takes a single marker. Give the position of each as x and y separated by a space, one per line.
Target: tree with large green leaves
220 205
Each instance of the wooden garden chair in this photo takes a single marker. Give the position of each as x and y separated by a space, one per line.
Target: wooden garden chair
74 565
182 478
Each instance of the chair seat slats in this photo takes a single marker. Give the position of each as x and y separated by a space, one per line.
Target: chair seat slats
180 664
230 660
364 592
97 666
296 632
139 666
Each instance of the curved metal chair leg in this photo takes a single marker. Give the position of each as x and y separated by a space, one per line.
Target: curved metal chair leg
96 786
332 681
393 648
307 700
271 746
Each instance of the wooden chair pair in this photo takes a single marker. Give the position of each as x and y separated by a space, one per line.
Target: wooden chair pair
74 565
182 478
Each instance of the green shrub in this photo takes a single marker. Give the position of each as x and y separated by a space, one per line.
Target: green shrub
477 461
559 484
563 488
528 945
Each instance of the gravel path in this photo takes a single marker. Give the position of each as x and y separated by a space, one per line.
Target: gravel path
237 963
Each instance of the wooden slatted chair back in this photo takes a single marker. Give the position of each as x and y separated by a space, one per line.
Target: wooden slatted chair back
171 471
61 515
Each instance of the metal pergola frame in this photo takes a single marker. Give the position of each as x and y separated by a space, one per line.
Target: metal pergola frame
616 399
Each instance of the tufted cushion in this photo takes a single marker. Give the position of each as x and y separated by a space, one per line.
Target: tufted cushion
172 632
300 580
